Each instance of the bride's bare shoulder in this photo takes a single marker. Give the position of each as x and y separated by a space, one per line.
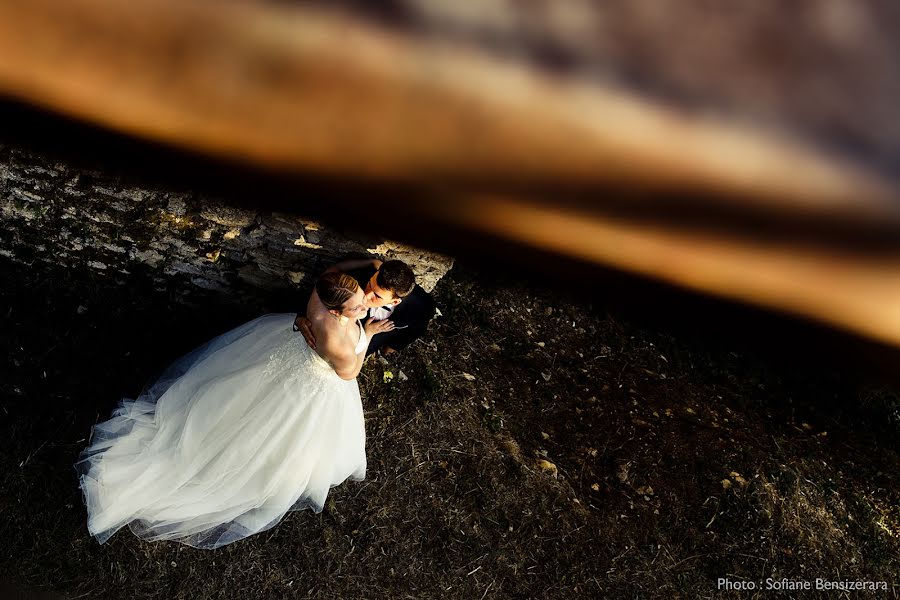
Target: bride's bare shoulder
336 348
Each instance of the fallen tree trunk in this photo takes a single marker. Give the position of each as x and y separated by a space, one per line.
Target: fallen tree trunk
471 119
84 218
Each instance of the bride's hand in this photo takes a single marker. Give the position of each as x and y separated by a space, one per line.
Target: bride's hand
375 327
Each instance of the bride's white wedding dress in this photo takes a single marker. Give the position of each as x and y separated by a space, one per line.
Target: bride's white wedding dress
229 438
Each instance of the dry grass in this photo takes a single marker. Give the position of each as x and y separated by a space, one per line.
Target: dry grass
642 425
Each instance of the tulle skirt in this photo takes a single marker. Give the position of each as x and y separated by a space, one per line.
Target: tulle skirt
228 439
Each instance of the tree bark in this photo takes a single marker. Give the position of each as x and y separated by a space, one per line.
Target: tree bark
54 212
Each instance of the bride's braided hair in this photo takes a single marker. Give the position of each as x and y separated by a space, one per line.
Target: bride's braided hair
335 288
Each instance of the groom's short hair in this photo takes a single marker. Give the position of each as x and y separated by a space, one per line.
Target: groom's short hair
396 277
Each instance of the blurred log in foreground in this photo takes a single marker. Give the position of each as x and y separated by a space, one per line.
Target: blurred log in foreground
464 106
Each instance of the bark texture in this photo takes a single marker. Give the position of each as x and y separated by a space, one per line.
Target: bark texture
55 212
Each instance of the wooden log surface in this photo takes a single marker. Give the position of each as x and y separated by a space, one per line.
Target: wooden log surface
462 105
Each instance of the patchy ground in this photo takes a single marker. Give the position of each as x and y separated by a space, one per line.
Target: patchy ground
532 446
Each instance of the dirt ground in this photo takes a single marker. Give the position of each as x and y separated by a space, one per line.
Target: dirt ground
533 445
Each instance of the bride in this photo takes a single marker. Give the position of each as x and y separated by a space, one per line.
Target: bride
243 429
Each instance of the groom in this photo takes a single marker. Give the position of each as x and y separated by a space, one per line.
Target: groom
391 293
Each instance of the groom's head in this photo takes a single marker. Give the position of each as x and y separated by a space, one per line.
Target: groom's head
392 282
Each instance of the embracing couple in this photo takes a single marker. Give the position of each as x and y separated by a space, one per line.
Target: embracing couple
396 308
256 422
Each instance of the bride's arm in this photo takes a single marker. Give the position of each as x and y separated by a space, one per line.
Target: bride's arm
341 356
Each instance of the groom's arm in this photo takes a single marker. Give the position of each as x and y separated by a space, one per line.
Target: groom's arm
350 265
304 326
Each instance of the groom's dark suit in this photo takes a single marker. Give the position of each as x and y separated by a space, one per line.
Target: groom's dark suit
410 317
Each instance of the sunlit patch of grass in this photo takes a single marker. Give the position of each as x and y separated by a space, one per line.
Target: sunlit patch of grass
888 519
827 525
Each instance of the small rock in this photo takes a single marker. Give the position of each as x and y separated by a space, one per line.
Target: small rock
547 467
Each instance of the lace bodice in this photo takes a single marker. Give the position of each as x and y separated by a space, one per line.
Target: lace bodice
291 356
